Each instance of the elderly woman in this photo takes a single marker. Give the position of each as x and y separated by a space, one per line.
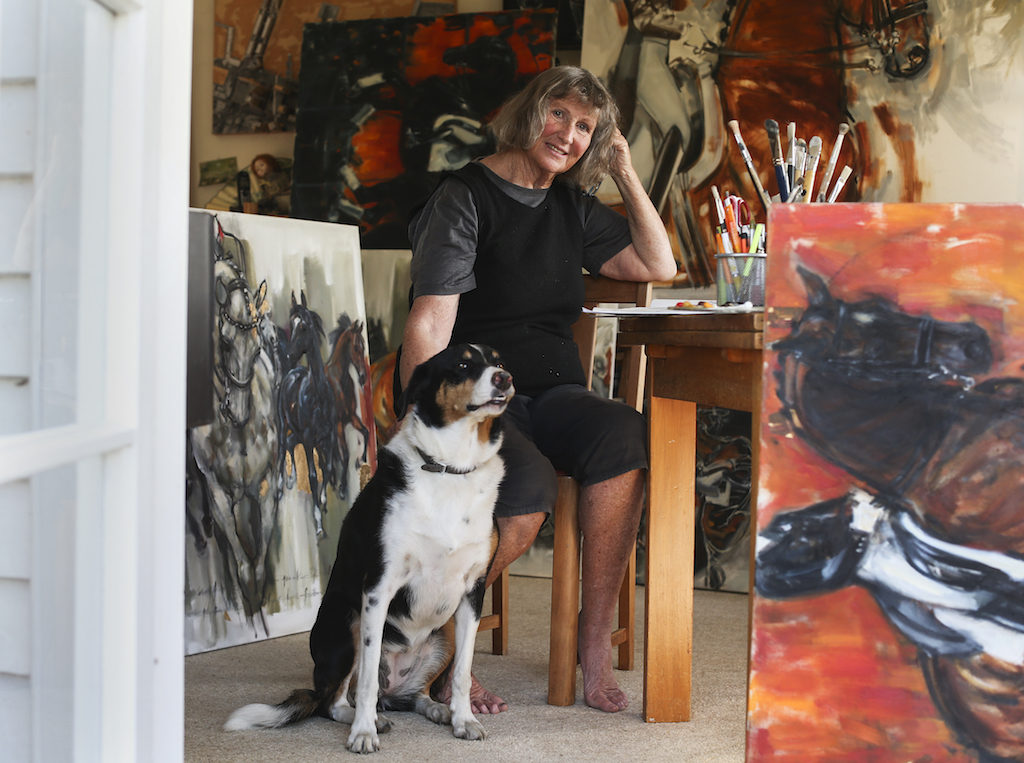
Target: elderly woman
498 254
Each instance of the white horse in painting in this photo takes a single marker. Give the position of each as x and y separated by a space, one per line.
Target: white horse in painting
237 453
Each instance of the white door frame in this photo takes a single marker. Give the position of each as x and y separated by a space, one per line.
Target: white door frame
127 445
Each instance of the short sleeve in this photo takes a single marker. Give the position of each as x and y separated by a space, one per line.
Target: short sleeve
444 241
605 233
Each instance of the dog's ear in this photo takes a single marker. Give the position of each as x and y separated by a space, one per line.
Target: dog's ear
418 392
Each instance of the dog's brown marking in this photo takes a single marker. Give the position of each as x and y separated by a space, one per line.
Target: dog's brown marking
454 399
483 431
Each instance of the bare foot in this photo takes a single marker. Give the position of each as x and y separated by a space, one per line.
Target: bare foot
600 689
481 701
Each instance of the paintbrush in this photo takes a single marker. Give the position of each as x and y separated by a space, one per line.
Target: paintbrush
813 154
781 178
799 162
832 161
840 182
734 125
791 162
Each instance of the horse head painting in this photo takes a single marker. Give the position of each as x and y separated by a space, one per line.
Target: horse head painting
348 373
236 453
907 430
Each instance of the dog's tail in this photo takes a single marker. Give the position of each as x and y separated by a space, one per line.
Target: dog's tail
301 704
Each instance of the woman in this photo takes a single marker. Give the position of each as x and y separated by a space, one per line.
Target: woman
498 252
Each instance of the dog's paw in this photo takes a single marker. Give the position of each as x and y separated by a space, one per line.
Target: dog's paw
470 729
433 711
383 724
363 742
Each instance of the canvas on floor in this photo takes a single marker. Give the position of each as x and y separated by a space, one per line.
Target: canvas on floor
292 438
887 622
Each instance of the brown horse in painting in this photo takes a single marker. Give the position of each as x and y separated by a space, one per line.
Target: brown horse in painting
348 374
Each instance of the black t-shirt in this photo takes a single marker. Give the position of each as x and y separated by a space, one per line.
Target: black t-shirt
516 256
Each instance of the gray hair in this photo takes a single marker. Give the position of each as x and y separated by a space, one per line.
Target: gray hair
519 123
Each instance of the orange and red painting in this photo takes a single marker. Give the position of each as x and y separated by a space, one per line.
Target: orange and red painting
257 44
887 620
386 105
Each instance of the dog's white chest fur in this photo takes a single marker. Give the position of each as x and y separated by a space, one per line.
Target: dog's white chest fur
437 534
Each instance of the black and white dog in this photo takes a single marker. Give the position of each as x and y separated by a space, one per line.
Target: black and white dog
414 549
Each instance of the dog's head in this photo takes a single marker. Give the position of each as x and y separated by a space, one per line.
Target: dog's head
464 380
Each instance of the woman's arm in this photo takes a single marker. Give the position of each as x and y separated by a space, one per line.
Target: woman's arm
428 330
649 257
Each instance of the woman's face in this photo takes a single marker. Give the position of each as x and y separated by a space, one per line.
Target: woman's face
566 136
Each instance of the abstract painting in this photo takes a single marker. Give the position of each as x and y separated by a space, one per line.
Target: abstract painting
928 89
386 105
887 621
257 44
292 439
722 511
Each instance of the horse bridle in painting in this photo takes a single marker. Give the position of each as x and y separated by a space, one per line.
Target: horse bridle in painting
881 34
224 373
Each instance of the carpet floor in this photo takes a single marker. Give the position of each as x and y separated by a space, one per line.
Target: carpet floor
531 730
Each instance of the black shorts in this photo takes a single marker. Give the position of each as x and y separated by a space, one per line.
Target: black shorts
565 429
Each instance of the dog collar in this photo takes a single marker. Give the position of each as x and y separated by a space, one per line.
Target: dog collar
430 465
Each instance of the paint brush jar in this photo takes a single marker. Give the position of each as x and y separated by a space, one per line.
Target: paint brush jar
739 278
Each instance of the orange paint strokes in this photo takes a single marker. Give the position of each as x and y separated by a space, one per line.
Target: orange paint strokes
902 138
374 145
429 42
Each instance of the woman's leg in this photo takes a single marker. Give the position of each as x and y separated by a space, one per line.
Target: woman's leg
609 519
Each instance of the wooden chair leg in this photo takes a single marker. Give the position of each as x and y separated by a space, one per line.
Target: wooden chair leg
627 616
565 596
499 605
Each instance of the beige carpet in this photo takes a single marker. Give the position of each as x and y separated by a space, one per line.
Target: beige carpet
218 682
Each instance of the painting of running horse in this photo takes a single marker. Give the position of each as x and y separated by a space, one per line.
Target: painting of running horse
267 482
887 621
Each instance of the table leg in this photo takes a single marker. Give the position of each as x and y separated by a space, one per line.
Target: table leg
668 646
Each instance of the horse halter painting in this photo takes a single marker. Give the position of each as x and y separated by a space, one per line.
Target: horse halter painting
238 343
897 31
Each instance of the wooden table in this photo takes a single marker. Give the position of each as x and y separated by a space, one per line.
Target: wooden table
712 359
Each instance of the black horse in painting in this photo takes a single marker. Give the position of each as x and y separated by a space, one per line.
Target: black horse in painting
937 536
305 409
872 388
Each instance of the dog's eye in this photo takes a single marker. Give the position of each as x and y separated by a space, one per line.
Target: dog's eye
463 365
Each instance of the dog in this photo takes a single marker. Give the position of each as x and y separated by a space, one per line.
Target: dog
414 549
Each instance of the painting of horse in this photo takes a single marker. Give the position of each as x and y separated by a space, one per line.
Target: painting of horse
348 373
905 75
887 621
235 503
305 409
266 489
